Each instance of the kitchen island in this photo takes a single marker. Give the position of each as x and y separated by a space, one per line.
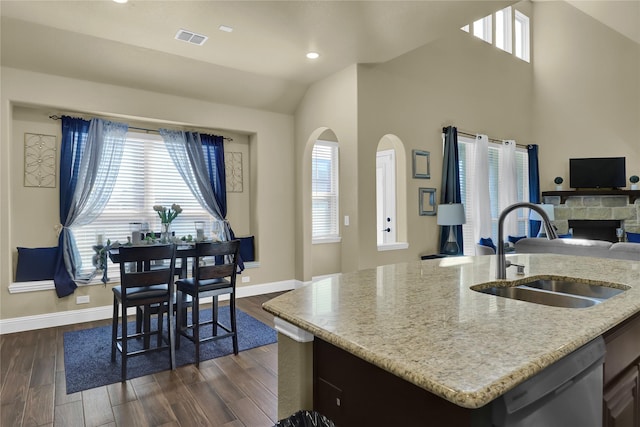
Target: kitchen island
421 322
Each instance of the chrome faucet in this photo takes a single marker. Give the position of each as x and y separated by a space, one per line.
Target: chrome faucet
502 264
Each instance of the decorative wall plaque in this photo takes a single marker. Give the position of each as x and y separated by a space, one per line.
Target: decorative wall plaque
39 160
233 170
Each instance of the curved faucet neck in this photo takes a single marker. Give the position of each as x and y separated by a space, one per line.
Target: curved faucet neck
501 270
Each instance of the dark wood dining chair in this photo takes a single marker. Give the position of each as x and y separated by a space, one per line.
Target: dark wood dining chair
141 287
209 279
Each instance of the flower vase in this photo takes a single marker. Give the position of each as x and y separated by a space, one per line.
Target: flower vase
634 186
165 234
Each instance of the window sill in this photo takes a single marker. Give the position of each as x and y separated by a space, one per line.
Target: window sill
326 240
393 246
48 285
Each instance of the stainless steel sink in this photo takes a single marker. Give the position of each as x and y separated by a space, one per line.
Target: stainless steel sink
557 292
576 288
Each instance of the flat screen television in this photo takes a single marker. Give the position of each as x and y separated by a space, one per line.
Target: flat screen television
597 172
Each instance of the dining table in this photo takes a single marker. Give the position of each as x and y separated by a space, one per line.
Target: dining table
184 251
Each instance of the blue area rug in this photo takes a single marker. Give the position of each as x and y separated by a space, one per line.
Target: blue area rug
87 353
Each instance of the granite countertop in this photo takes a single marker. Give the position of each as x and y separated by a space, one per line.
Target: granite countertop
421 322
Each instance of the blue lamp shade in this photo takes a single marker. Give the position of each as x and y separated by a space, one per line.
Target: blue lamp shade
451 214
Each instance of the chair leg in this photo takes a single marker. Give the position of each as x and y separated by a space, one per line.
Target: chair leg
232 315
214 315
161 308
125 334
147 326
180 322
114 329
195 312
138 320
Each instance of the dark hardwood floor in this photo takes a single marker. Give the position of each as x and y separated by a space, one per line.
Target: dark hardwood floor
228 391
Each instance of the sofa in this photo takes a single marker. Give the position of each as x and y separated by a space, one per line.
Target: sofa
580 247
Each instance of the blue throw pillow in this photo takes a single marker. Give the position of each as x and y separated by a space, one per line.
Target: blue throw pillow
488 242
36 264
565 236
514 239
633 237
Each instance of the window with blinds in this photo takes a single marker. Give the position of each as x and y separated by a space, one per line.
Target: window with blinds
147 177
466 163
324 190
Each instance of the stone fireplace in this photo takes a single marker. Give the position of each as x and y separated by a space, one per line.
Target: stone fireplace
595 216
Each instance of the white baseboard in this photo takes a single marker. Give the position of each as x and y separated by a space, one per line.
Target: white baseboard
70 317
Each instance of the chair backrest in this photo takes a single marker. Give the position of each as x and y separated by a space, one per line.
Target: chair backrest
144 255
226 254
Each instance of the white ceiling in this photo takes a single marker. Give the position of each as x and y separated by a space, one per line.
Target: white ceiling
261 64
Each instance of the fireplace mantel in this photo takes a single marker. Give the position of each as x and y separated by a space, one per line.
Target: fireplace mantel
631 194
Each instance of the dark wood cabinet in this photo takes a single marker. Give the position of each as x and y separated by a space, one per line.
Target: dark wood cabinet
621 400
351 391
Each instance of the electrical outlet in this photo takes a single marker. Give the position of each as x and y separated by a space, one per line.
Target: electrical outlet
246 279
82 299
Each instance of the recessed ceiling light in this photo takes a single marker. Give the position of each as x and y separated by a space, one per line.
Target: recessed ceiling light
313 55
121 1
225 28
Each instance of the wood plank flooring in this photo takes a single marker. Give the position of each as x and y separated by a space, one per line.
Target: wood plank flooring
230 391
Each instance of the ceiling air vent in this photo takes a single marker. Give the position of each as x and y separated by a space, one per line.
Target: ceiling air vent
191 37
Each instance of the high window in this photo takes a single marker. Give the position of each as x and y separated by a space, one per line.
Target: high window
467 174
511 31
482 28
324 192
147 177
503 29
522 37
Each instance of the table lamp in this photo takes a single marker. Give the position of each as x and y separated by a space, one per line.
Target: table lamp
451 214
535 216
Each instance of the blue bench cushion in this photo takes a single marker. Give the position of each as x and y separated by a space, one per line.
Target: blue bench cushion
246 249
36 264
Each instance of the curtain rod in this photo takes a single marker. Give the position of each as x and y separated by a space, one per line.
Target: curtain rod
54 117
473 135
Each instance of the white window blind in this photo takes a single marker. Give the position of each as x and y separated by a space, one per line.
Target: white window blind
324 190
465 163
147 177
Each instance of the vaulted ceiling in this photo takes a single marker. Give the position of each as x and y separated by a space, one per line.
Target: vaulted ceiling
260 64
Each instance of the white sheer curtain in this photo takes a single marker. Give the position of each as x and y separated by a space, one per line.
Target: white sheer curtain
99 166
508 185
480 202
185 149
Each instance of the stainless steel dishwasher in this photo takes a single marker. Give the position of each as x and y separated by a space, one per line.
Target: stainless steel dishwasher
567 393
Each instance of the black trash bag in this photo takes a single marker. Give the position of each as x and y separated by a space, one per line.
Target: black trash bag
305 419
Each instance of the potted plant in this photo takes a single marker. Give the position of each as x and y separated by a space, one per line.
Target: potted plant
634 181
558 180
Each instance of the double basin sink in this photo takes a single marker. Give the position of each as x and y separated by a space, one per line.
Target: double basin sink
555 291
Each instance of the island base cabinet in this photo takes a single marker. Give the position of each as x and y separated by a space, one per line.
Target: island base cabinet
621 401
621 397
352 392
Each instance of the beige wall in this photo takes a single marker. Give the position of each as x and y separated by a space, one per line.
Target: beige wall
587 92
457 80
328 104
28 220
